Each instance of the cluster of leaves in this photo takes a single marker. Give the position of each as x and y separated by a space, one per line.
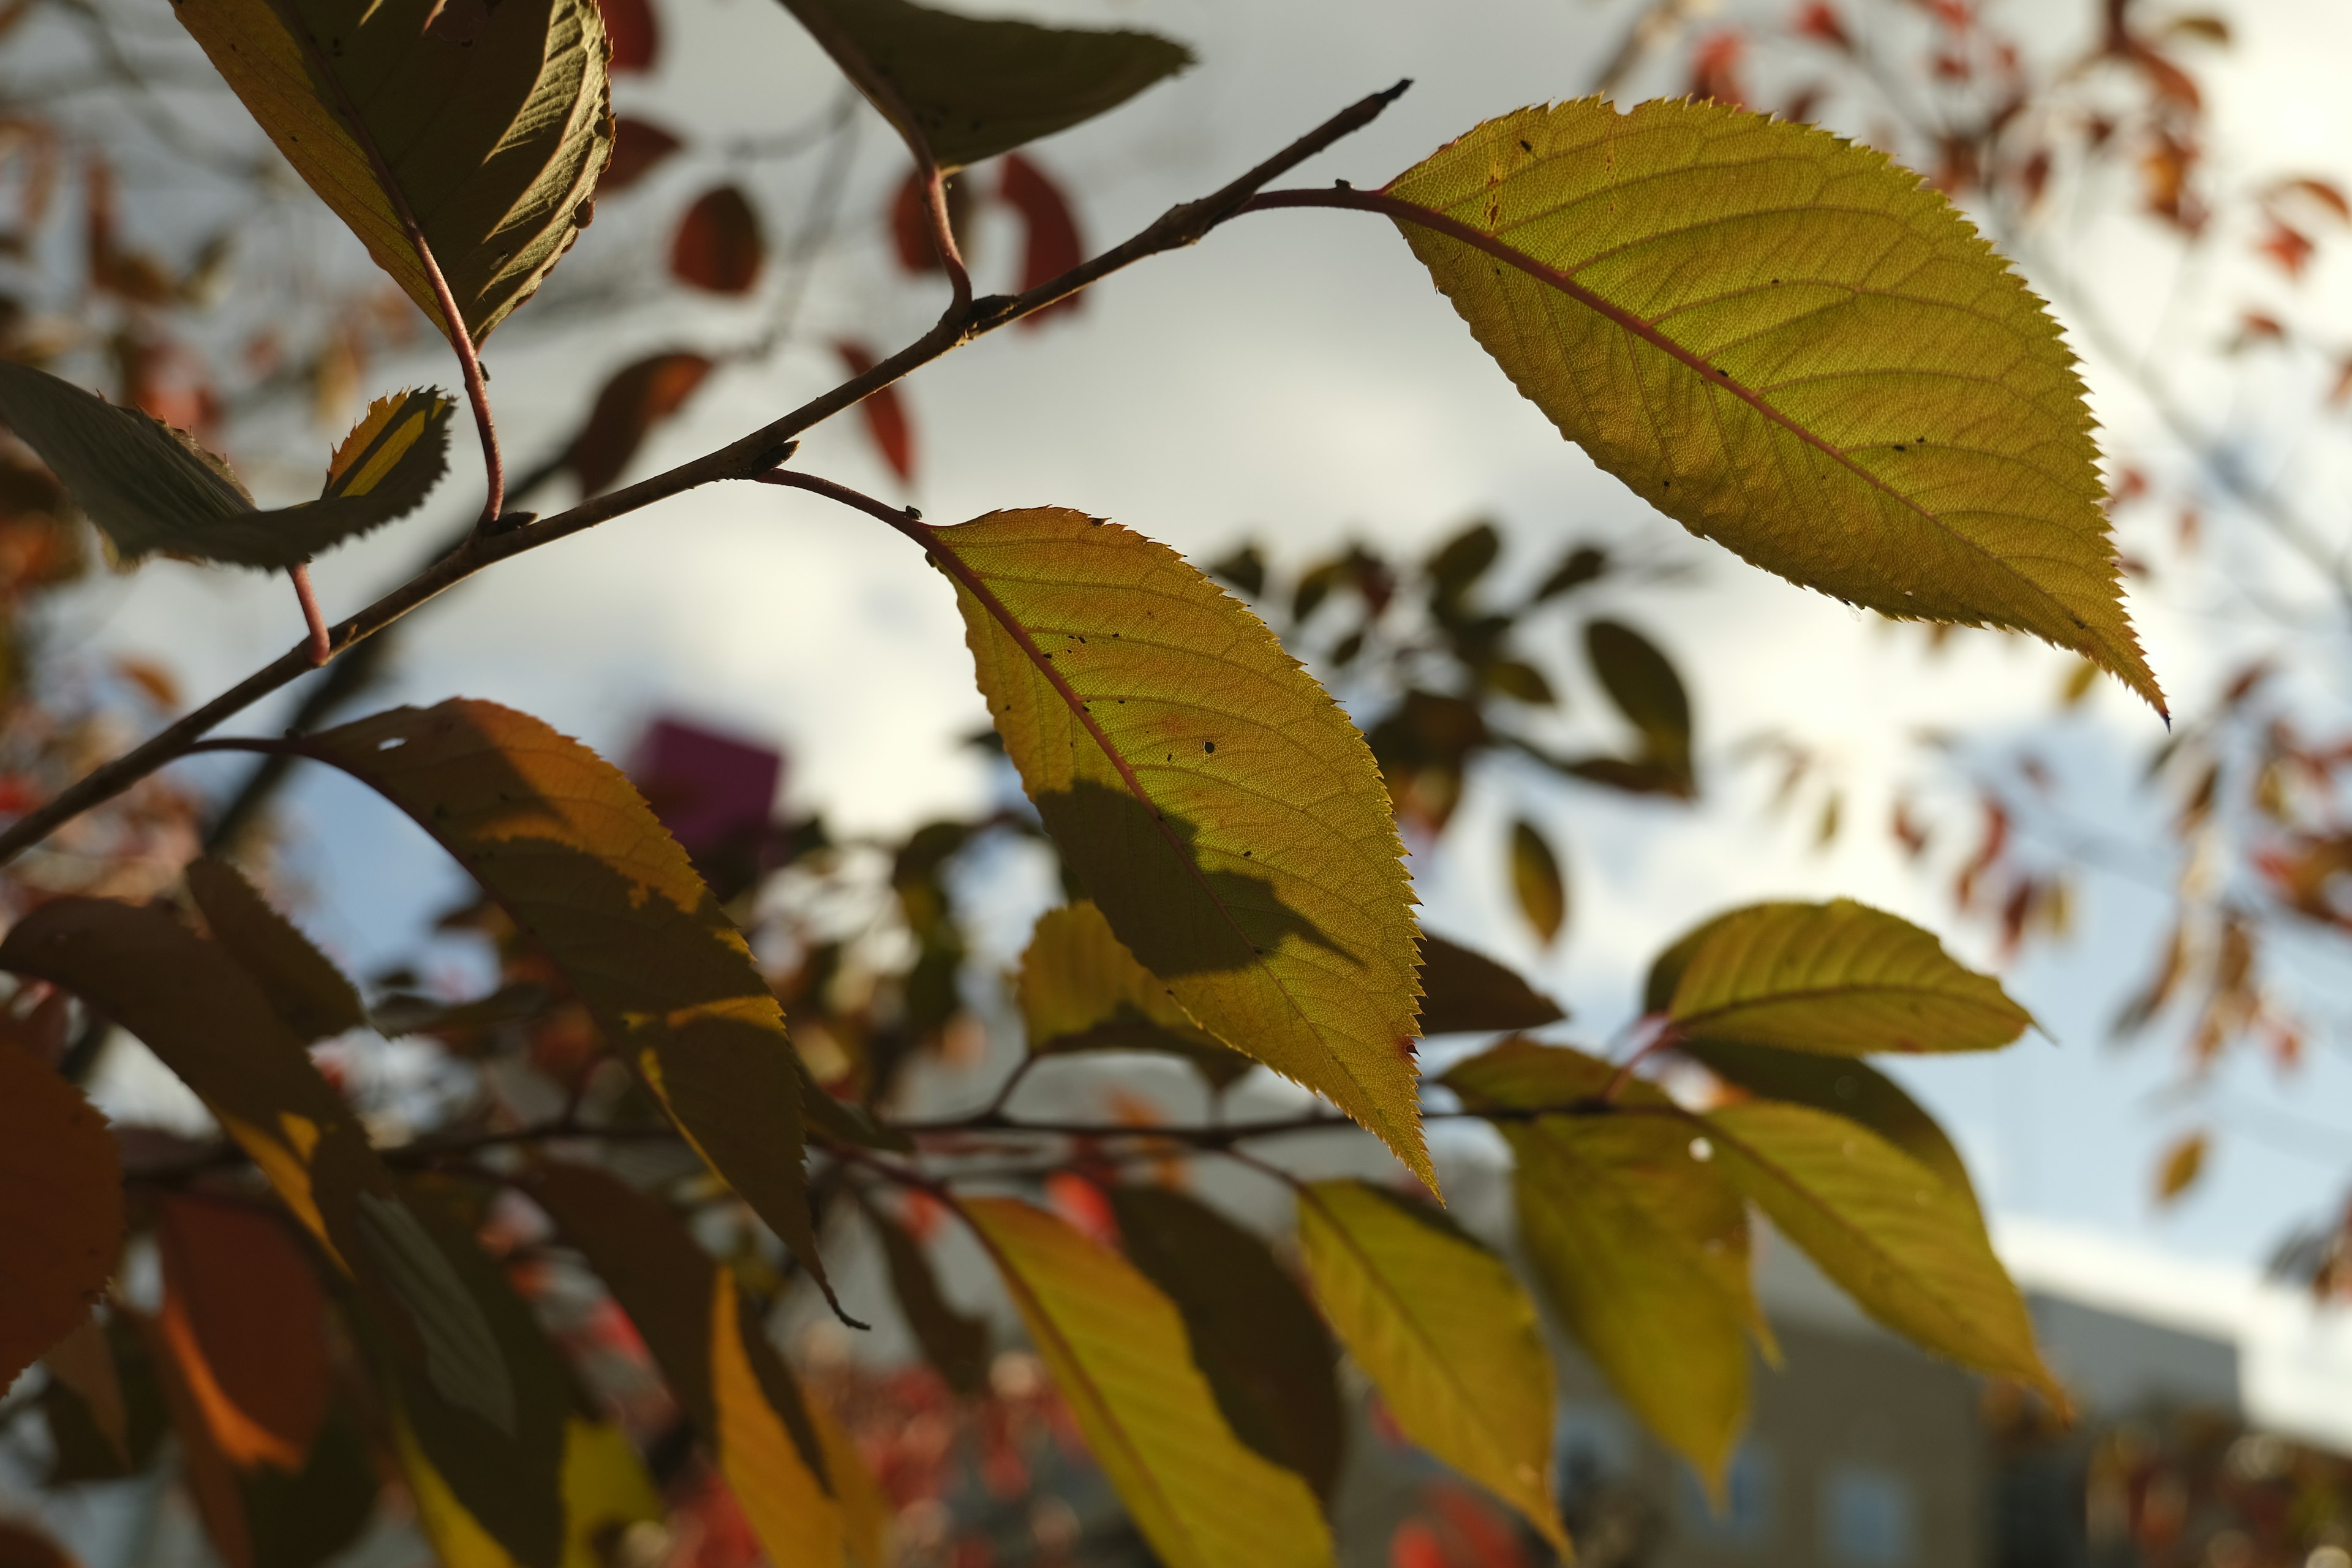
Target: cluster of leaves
1826 370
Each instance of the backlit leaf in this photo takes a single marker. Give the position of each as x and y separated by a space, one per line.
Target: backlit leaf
1050 245
493 122
1839 978
1895 1236
955 1342
60 1209
638 397
1214 801
308 991
1443 1330
884 411
1536 879
1642 1246
1793 347
246 1324
1117 1349
1269 1359
976 88
565 842
1851 1089
1642 683
718 244
707 1339
1464 991
151 488
1081 990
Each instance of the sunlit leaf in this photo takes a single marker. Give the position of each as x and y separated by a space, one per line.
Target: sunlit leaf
309 992
1464 991
719 1364
718 244
1536 879
955 1342
1642 1245
565 842
246 1324
152 489
976 88
491 121
1895 1236
637 397
1117 1349
1793 347
1214 801
1839 978
1269 1359
1443 1328
1081 990
60 1207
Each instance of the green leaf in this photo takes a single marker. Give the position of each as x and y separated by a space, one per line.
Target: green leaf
1839 979
974 88
1215 802
1640 680
707 1339
1793 347
189 1001
1081 990
955 1342
1268 1358
492 123
308 991
151 488
1536 879
1845 1087
60 1207
565 842
1117 1352
1467 992
1909 1249
1641 1247
1443 1328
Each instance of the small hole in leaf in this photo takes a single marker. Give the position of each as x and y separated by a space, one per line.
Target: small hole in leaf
391 744
1701 1149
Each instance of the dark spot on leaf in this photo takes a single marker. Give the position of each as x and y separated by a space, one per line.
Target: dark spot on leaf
1208 746
1524 145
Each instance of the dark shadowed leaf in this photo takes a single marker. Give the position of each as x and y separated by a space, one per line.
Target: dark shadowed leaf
1081 990
637 397
1839 978
1216 803
955 1342
1461 561
1583 563
1050 245
1642 683
493 122
973 87
565 842
246 1321
639 147
1268 1358
1642 1246
1467 992
1443 1330
83 1362
60 1209
1536 879
708 1340
718 244
22 1546
1117 1352
93 1440
884 411
152 489
308 991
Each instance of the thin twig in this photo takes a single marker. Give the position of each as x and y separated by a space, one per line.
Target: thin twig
747 458
321 650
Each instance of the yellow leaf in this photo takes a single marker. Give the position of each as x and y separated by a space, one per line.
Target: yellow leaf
722 1370
1840 978
1792 346
1443 1328
2183 1164
60 1207
1117 1352
976 87
1642 1245
492 123
308 991
1219 806
866 1509
1908 1249
565 842
1081 990
604 1487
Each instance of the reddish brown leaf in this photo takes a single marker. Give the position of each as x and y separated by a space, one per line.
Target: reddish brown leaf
60 1209
1052 246
718 245
910 225
1819 20
244 1318
634 32
2287 245
638 146
2327 193
130 275
22 1546
1714 67
884 412
637 397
